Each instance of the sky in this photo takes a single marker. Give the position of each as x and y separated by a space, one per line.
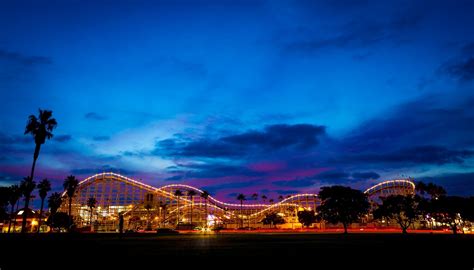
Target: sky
271 97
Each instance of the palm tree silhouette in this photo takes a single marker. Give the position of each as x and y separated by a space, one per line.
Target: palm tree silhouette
264 198
41 128
241 198
27 186
191 194
14 196
163 207
54 202
255 196
178 193
205 195
43 188
70 185
91 202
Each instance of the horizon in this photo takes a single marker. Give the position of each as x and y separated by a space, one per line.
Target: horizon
267 97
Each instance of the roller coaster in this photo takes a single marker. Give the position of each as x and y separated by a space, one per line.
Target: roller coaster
178 205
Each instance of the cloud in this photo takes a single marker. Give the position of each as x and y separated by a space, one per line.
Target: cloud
62 138
462 70
286 192
429 154
215 188
271 138
304 182
22 59
461 183
358 33
94 116
211 170
105 168
101 138
461 67
365 175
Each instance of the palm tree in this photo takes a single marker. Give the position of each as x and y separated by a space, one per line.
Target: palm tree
191 194
255 196
27 186
163 207
54 202
264 198
14 196
70 185
280 198
91 202
148 206
241 198
178 193
41 128
205 195
43 188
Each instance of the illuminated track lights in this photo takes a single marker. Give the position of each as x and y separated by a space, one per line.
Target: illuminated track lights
224 206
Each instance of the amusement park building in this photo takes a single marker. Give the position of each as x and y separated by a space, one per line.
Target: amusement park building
144 206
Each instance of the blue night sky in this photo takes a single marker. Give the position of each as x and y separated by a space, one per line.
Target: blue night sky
273 97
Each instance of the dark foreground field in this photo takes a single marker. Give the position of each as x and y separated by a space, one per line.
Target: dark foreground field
369 251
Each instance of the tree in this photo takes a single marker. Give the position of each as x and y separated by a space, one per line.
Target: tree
191 193
148 206
205 195
41 129
43 188
273 219
450 210
70 185
255 196
27 186
433 190
280 198
241 198
54 202
59 220
14 195
307 217
178 193
264 198
163 207
4 202
91 202
342 205
403 209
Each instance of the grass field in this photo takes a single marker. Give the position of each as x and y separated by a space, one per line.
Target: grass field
368 250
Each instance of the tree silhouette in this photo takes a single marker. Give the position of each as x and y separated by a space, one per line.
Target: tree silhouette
205 195
43 188
178 193
403 209
433 190
450 210
255 196
14 195
273 219
91 202
4 202
241 198
70 185
41 128
54 202
342 205
27 186
307 217
191 193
